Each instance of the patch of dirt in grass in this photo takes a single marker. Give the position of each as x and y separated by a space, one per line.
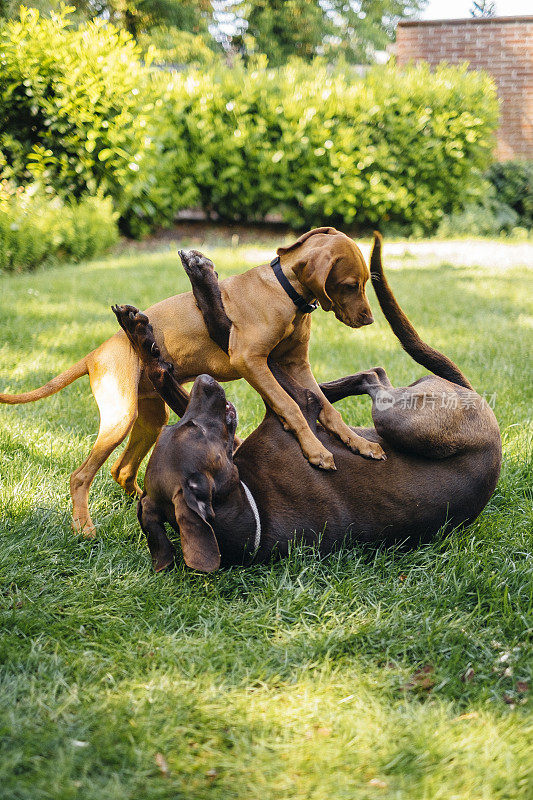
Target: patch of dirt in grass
196 231
202 232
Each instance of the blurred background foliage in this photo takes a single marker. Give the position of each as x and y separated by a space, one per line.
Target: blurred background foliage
278 28
228 108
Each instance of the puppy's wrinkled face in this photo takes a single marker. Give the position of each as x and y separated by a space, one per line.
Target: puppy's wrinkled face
345 286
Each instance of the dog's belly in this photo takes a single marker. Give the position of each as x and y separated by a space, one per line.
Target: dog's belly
405 497
218 374
180 332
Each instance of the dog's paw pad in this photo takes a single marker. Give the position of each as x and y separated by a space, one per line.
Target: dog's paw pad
124 311
196 262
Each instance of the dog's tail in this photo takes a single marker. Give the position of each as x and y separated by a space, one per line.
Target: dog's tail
55 385
409 339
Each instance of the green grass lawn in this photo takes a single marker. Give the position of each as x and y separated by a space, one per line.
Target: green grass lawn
367 674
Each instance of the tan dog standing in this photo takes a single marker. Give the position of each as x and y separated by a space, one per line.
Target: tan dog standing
323 264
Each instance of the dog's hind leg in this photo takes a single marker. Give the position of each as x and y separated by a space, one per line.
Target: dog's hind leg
114 374
152 416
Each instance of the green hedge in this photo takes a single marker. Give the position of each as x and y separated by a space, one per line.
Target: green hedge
506 209
165 44
399 146
80 113
76 113
513 187
35 229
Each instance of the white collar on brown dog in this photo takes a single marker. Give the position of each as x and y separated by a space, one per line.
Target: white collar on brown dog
255 510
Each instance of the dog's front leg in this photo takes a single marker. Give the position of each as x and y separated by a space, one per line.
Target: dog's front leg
329 417
254 368
152 524
160 372
333 421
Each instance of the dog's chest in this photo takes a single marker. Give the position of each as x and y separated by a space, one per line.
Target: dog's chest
296 336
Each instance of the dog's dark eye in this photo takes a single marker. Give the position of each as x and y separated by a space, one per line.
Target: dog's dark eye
199 485
350 288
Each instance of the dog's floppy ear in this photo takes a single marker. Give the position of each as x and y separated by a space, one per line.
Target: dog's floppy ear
194 514
313 270
303 238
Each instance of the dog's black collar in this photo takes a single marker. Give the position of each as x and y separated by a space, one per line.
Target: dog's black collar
299 301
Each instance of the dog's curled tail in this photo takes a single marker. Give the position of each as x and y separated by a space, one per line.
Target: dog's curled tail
409 339
55 385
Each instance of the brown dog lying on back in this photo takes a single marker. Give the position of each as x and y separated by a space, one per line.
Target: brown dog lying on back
244 504
323 264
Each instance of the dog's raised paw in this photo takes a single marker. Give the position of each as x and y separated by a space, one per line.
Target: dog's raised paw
196 263
124 313
125 309
138 330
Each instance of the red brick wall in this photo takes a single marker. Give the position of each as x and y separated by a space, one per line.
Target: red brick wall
503 46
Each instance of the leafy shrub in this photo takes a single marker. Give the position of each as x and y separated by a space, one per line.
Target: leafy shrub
488 219
167 45
513 186
80 113
76 113
35 228
403 146
507 207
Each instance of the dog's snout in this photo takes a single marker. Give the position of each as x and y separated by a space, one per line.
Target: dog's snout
205 382
208 388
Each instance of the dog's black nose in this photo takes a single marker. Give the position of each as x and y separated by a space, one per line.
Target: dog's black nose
205 380
206 384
